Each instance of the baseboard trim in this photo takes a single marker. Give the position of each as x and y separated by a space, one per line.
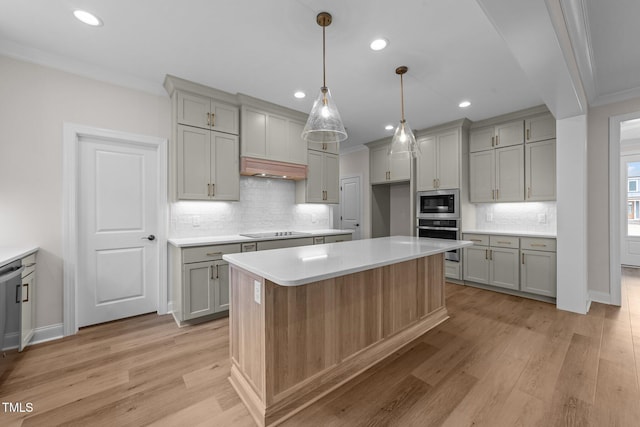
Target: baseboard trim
601 297
40 335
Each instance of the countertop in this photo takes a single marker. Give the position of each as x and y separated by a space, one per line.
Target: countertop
305 264
513 233
183 242
10 254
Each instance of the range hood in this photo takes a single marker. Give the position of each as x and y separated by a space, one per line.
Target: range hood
250 166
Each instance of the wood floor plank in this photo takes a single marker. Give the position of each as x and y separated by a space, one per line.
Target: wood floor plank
498 361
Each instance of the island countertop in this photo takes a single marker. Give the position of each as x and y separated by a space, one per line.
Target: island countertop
306 264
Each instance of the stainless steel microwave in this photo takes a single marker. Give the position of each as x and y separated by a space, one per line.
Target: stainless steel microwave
438 204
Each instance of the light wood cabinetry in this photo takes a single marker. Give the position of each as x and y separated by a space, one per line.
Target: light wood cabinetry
271 136
539 128
323 179
540 170
200 281
207 165
538 266
438 166
501 135
386 168
523 264
207 113
497 175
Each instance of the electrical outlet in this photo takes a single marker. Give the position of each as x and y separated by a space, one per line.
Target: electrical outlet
257 297
195 221
542 218
314 218
489 217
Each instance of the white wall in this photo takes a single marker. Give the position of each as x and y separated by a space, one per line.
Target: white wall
598 184
36 101
399 212
356 163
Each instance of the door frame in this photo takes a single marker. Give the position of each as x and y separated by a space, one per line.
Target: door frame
72 134
360 202
615 279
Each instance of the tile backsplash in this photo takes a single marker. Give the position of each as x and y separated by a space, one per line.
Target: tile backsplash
538 217
265 205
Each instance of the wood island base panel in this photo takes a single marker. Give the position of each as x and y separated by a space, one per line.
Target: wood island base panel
291 345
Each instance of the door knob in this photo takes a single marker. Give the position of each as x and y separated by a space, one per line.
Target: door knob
357 225
150 237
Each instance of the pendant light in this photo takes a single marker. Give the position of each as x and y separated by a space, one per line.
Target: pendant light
324 124
404 141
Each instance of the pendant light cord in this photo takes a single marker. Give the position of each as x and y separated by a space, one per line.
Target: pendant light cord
324 69
402 97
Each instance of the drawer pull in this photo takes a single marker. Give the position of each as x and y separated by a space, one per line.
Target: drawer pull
539 245
30 265
523 259
214 253
475 240
504 243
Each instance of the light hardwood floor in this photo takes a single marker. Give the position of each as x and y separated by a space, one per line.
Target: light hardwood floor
499 361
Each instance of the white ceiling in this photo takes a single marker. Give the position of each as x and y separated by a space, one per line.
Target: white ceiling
269 49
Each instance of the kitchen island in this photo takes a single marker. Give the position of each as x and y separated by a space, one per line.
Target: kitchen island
305 320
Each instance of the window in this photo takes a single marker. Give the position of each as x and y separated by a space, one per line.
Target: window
633 186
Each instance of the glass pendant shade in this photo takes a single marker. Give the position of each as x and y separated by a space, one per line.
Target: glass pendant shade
404 141
324 124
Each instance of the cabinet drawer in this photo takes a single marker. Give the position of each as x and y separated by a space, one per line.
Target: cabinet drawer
452 270
504 241
318 240
208 253
249 247
29 263
538 244
337 238
477 239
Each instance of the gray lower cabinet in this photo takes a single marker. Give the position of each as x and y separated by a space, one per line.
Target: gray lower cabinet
200 280
538 266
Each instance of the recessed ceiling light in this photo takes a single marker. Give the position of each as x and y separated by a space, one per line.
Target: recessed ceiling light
389 127
464 104
379 44
299 94
87 18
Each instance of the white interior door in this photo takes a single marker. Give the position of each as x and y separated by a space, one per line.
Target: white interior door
350 205
630 209
117 257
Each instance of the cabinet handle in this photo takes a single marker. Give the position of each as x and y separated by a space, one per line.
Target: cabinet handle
213 120
434 183
486 254
497 194
528 192
213 190
493 194
528 134
493 139
491 254
24 285
504 243
251 246
217 272
211 275
475 240
214 253
539 245
497 140
438 179
523 258
208 119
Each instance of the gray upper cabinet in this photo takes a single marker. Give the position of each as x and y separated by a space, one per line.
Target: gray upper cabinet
207 113
386 168
502 135
438 166
540 128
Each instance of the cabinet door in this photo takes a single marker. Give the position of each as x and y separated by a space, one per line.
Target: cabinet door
508 134
540 170
449 160
481 176
194 163
331 178
540 128
476 264
297 145
277 138
221 285
426 164
538 270
254 133
225 170
27 312
505 271
481 139
224 118
379 164
194 110
399 167
510 174
198 291
314 177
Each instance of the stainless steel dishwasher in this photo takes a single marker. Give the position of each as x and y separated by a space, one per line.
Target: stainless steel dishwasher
10 287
